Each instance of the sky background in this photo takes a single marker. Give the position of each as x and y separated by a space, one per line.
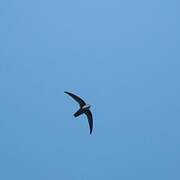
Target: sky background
122 57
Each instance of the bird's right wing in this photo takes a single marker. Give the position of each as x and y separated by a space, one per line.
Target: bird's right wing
90 119
76 98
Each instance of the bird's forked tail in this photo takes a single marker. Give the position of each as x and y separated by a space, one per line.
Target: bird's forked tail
78 113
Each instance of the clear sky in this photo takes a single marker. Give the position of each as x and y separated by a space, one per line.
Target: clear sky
122 57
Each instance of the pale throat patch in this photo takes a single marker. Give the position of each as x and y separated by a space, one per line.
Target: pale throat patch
86 106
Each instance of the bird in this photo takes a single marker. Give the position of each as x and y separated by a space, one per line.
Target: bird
84 109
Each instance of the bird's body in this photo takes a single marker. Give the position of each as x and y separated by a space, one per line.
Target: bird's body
84 109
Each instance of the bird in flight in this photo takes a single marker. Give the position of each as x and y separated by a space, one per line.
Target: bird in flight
84 109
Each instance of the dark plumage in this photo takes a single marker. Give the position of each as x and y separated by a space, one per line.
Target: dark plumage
84 109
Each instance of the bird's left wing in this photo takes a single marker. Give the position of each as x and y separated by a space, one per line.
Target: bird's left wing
76 98
90 120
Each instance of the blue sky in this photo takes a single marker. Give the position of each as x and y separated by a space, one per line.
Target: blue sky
120 56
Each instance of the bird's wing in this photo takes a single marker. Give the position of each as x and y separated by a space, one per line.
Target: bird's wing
76 98
90 119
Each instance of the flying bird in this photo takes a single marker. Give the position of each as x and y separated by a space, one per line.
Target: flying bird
84 109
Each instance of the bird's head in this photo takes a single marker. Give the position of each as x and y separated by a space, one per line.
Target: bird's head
87 106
